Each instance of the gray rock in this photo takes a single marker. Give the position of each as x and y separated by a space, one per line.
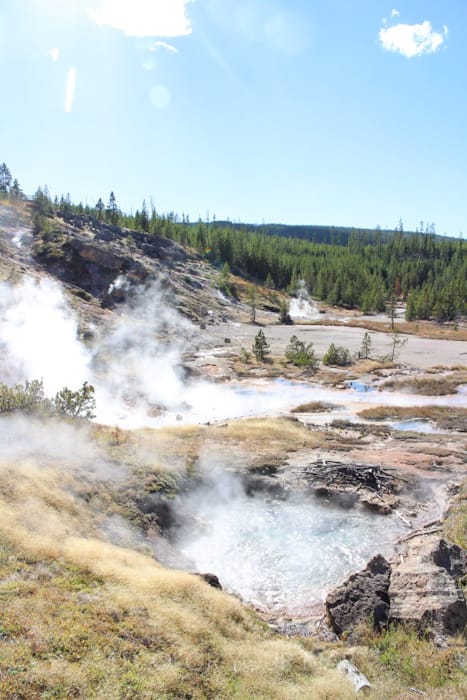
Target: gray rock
363 597
423 590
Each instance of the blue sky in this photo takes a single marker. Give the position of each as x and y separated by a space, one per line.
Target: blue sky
336 112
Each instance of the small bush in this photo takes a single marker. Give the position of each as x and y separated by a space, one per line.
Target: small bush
76 404
299 354
225 284
314 407
30 398
245 355
338 356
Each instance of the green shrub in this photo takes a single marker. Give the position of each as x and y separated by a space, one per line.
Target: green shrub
337 355
76 404
299 354
225 284
30 398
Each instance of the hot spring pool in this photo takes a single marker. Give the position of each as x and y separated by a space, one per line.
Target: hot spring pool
282 556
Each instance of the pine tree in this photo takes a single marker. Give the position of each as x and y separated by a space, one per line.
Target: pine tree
251 300
284 315
15 190
112 212
366 346
5 178
269 282
144 217
100 208
260 347
397 343
337 355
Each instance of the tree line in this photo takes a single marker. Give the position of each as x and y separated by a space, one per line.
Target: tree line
426 271
351 268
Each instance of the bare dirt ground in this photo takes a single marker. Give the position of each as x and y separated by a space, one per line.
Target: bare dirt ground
421 353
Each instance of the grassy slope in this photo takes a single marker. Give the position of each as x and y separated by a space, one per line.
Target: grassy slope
81 617
84 618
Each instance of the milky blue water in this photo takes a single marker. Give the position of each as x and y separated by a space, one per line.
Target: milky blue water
284 556
415 426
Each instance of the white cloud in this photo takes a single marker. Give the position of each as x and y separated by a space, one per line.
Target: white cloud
70 89
163 45
144 18
412 39
395 13
54 54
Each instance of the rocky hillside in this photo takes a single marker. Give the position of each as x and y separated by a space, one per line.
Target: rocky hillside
99 263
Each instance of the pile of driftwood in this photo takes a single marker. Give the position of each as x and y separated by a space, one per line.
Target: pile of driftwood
374 484
338 474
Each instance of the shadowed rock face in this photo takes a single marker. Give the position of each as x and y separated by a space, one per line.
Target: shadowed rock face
452 558
420 590
89 255
363 597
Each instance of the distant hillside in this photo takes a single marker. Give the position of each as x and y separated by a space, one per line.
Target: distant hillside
331 235
349 267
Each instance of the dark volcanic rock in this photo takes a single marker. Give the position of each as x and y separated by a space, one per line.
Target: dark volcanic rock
452 558
156 505
362 597
420 590
211 579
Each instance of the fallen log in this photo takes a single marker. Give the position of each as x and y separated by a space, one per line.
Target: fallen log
357 679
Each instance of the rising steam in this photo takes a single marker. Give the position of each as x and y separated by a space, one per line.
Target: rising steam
136 365
39 337
302 307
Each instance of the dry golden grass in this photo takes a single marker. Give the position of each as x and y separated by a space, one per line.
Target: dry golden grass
436 385
405 661
449 417
314 407
252 439
422 329
81 617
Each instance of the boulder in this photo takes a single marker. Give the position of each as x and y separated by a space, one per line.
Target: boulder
363 597
211 579
423 590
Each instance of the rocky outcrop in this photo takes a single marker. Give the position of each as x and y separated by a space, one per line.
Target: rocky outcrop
423 589
108 263
420 590
363 597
